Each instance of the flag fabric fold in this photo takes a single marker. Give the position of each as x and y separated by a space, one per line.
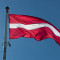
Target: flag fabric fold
32 27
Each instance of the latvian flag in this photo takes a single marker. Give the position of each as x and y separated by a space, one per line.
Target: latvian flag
31 27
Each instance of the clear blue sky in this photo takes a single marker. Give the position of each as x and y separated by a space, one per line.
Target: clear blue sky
28 48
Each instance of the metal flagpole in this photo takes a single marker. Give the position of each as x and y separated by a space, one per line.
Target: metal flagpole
5 38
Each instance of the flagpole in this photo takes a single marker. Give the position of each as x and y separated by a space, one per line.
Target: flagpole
5 38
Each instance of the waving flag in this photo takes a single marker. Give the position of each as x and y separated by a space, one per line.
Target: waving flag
31 27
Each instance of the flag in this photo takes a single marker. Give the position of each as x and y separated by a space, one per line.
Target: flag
32 27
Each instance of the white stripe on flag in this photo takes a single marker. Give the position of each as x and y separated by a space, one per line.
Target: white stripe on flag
34 26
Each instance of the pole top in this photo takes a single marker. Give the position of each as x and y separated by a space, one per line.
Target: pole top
7 8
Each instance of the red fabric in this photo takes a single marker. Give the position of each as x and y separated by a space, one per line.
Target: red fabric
38 34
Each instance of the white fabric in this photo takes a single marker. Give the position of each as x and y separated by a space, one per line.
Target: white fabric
34 26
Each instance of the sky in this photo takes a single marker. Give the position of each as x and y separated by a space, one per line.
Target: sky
28 48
